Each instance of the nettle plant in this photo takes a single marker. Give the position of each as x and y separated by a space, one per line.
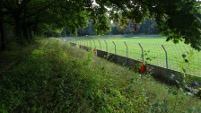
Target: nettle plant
182 82
187 58
185 65
146 59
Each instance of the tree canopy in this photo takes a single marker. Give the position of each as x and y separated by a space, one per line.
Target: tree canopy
176 19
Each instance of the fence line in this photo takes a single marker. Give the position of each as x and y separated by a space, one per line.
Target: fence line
126 49
166 56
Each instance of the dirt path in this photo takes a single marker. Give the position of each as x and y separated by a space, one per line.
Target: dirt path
11 57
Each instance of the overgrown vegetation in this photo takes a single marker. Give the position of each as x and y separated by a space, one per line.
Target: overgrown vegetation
179 20
15 53
58 78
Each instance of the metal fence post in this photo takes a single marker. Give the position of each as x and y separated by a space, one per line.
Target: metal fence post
80 42
87 42
126 54
126 49
90 45
115 48
166 56
99 43
94 44
106 46
74 41
142 52
84 42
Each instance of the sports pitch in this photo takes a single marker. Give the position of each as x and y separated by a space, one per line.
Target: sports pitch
150 49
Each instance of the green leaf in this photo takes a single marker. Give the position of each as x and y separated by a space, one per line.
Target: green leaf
184 70
183 55
186 60
174 93
169 91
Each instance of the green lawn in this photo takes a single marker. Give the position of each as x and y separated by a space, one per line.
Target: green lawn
151 46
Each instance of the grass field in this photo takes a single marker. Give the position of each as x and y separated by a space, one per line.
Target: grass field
153 52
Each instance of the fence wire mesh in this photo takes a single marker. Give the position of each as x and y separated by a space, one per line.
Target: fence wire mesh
170 56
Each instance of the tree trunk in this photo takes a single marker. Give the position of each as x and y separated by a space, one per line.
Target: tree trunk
2 28
35 29
25 32
18 31
30 31
2 36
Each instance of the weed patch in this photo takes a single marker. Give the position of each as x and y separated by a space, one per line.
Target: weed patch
59 78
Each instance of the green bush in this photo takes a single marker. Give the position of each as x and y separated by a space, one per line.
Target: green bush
50 81
58 78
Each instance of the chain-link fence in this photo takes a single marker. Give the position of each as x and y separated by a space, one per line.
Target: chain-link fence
170 56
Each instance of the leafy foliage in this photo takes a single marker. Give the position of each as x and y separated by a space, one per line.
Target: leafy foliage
57 78
177 19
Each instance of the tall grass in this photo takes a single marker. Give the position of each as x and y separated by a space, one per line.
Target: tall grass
59 78
15 53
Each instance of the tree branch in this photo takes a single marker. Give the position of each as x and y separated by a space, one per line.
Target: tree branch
40 10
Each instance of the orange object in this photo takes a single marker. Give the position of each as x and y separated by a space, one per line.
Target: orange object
142 67
95 51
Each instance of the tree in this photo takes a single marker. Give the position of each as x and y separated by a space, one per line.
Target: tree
89 30
177 19
22 14
148 27
2 41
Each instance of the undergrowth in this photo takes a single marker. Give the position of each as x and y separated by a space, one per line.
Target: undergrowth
14 53
58 78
